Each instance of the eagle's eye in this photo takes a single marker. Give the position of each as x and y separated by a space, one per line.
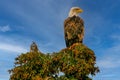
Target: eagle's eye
77 9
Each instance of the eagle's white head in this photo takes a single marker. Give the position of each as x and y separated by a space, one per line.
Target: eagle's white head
75 11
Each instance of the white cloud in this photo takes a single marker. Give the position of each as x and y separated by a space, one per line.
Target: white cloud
116 37
110 62
5 28
12 48
110 57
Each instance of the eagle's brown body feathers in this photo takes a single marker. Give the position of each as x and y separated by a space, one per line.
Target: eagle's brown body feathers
73 30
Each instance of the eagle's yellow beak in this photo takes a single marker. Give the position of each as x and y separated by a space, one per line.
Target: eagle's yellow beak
79 11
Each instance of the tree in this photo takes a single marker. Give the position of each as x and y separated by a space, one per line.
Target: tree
76 62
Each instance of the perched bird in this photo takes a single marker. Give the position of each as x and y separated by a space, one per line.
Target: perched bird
33 47
74 27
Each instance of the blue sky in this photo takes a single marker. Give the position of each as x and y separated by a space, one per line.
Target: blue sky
24 21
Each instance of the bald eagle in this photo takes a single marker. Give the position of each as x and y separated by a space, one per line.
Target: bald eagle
74 27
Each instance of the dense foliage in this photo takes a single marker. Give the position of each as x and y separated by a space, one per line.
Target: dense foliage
76 62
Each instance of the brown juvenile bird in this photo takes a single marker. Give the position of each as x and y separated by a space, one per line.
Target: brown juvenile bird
74 27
